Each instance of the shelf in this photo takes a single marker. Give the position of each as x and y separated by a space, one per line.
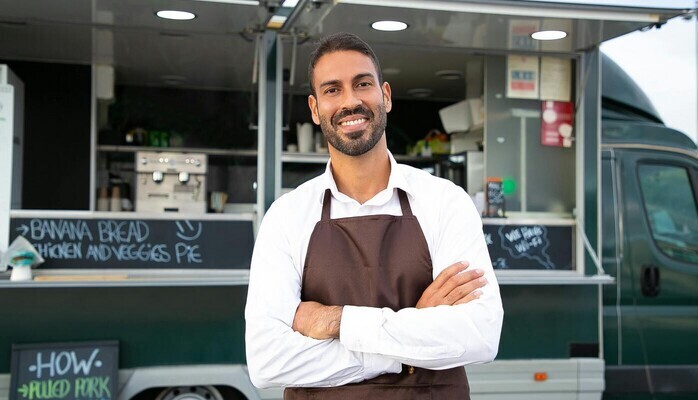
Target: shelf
308 158
214 152
521 278
128 278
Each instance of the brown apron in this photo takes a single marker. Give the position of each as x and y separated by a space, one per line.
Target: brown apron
374 261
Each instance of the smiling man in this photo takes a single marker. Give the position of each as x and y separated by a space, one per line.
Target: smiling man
372 279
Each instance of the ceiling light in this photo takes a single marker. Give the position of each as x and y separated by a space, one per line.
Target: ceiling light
176 15
549 35
289 3
276 22
449 74
391 71
389 26
420 92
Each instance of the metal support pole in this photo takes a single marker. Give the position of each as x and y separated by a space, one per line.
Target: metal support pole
590 142
269 122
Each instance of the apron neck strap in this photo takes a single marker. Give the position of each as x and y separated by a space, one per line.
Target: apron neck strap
404 204
326 205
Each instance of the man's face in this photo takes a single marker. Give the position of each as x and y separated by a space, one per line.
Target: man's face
349 103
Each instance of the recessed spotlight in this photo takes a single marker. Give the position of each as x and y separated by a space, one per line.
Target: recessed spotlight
449 74
391 71
549 35
389 26
176 15
420 92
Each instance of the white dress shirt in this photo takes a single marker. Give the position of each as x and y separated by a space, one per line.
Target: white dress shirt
373 341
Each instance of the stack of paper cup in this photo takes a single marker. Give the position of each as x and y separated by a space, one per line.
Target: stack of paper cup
305 137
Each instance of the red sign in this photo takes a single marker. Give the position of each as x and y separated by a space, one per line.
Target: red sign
557 123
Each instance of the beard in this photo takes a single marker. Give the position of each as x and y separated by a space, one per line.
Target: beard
359 142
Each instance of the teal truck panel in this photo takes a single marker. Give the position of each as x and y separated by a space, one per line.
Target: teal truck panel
543 321
154 325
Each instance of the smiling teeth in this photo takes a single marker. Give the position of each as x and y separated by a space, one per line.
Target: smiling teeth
354 122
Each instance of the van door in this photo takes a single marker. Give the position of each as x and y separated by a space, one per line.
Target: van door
660 233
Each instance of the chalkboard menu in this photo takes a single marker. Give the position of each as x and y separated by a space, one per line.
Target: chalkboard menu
66 371
495 194
530 247
124 243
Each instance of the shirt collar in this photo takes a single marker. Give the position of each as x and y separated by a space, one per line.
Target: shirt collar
396 180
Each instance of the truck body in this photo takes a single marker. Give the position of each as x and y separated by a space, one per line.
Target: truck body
614 316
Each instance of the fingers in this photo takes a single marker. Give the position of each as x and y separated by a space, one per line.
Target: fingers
461 279
465 290
449 272
470 297
454 285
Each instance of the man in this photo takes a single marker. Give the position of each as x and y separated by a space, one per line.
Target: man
374 278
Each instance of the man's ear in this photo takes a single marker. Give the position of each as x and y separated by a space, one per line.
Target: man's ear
387 100
312 103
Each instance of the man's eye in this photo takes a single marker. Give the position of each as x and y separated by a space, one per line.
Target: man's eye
331 91
364 84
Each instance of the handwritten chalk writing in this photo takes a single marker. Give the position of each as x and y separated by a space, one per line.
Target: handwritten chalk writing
129 252
531 231
48 389
189 253
122 231
132 243
61 363
527 242
513 235
495 196
59 230
488 239
188 232
500 263
63 250
92 387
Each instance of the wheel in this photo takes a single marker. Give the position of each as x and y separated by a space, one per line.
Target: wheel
190 393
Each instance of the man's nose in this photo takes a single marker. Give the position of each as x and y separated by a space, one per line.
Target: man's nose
350 100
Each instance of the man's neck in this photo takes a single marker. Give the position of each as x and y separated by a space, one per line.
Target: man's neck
362 177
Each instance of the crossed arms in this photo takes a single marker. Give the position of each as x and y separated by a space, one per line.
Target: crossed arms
457 320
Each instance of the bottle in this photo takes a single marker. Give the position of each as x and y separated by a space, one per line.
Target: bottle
115 203
103 199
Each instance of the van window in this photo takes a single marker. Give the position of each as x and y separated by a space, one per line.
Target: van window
671 210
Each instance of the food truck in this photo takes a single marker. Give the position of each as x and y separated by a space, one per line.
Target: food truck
138 155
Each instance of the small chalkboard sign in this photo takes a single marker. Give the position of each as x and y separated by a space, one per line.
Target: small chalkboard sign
495 195
65 371
530 247
93 243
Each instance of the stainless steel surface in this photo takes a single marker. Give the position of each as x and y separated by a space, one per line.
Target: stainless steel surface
244 212
131 278
171 182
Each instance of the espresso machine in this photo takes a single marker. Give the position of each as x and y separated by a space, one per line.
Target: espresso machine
170 182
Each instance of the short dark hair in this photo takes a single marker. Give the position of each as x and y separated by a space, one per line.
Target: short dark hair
341 41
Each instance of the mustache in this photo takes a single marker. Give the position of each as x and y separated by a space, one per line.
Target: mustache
358 110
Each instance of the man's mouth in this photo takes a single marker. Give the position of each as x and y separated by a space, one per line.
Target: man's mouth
353 122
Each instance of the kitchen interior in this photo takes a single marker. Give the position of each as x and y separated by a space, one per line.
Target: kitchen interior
129 111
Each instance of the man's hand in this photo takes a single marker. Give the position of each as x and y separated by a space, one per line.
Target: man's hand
452 287
317 321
